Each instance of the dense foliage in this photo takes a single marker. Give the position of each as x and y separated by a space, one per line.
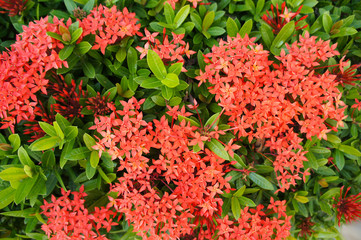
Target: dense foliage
179 119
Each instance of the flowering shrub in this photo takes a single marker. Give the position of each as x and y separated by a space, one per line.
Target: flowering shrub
179 119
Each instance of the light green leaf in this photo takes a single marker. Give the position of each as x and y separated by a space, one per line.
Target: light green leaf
171 80
181 16
66 52
48 129
349 150
327 22
83 47
246 28
156 64
15 141
236 208
13 174
24 189
151 83
94 159
283 35
6 197
208 20
77 154
24 157
232 28
45 143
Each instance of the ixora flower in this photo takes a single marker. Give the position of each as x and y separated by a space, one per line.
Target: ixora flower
13 7
280 17
275 102
348 207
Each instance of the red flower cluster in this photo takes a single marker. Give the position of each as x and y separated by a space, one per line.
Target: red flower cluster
280 18
69 219
348 207
167 50
275 103
109 25
166 189
13 7
23 70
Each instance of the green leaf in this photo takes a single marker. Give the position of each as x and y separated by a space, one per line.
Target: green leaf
345 31
159 100
62 121
48 159
88 69
246 201
171 80
13 174
181 16
151 83
70 5
327 22
333 139
167 92
168 13
236 208
330 193
208 20
15 141
156 64
192 122
246 28
104 81
217 148
67 148
121 54
83 47
24 158
232 28
77 154
259 6
26 213
339 159
261 181
89 5
6 197
76 35
349 150
58 130
48 129
213 121
132 58
71 132
94 159
175 68
89 141
45 143
196 19
174 101
54 35
267 34
89 170
250 4
240 191
312 161
283 35
216 31
24 189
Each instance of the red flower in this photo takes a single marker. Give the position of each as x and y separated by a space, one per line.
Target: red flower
280 18
348 207
305 227
13 7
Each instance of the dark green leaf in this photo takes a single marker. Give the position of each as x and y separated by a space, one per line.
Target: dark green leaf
327 22
89 5
339 159
48 159
104 81
70 5
88 69
261 181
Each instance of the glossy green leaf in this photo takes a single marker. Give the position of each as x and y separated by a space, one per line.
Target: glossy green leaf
236 207
77 154
88 69
24 189
83 47
171 80
240 191
58 130
267 34
339 159
175 68
71 132
62 121
246 28
208 21
167 92
333 139
246 201
330 193
345 31
350 150
6 197
70 5
89 141
24 157
192 122
104 81
48 159
89 170
76 35
156 64
181 16
168 13
48 128
15 141
232 28
54 35
261 181
283 35
259 6
196 19
132 58
159 100
45 143
327 22
151 83
89 5
66 52
216 31
216 147
94 159
13 174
